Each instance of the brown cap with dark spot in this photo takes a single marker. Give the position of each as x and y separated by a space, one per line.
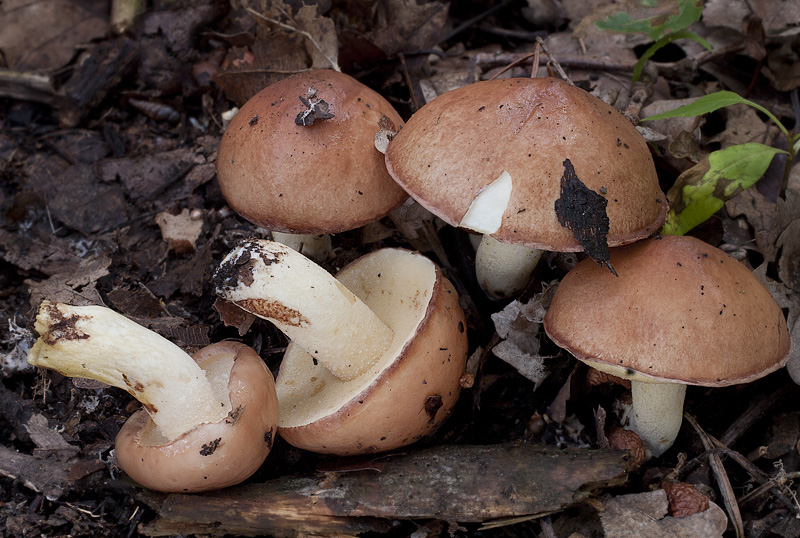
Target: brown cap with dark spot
322 177
463 140
680 311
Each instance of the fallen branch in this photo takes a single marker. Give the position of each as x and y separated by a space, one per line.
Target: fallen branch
454 483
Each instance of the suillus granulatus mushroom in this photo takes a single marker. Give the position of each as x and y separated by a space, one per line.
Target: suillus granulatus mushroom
376 353
681 312
207 421
300 160
492 157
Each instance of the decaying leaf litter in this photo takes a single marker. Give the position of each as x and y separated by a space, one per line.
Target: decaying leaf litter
110 131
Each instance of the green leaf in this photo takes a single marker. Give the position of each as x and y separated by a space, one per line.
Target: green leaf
689 11
669 38
715 101
704 105
702 190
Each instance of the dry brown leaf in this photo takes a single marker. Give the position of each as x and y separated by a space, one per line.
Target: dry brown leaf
47 440
408 26
743 125
783 68
760 214
233 316
645 514
324 50
780 17
274 56
634 8
180 231
75 287
789 239
683 134
518 324
284 44
43 36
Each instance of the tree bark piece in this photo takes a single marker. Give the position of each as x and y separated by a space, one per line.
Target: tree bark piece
453 483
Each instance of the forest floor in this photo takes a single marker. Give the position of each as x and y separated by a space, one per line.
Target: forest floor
109 196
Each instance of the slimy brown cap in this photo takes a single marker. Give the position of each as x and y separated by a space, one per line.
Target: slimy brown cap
680 311
463 140
321 175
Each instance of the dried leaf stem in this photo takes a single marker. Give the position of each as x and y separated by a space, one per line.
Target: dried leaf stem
722 477
332 61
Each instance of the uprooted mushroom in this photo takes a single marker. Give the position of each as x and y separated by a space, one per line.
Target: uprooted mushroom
207 421
375 354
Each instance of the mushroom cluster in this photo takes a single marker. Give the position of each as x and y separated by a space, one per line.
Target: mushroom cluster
681 312
206 422
376 353
300 158
493 156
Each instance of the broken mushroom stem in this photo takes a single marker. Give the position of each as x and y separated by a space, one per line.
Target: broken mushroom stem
95 342
311 307
315 246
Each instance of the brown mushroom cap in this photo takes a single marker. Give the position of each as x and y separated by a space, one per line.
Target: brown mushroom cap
464 139
411 389
322 178
212 455
680 311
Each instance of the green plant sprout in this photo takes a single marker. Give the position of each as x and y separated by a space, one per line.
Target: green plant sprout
703 190
662 31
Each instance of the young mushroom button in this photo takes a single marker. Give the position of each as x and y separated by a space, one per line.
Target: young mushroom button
376 353
300 159
680 313
491 157
206 421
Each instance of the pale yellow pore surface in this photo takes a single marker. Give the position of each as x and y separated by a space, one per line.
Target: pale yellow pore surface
307 304
397 286
95 342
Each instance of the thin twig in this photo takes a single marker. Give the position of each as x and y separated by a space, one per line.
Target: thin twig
722 477
754 413
334 65
556 65
407 78
518 61
474 20
774 484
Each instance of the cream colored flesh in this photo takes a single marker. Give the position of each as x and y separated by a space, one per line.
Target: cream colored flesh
485 214
657 407
308 305
503 269
396 285
95 342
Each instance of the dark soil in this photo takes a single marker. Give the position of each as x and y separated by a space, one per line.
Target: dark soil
127 129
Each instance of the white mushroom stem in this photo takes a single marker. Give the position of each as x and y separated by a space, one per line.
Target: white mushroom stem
657 413
307 303
315 246
503 269
95 342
